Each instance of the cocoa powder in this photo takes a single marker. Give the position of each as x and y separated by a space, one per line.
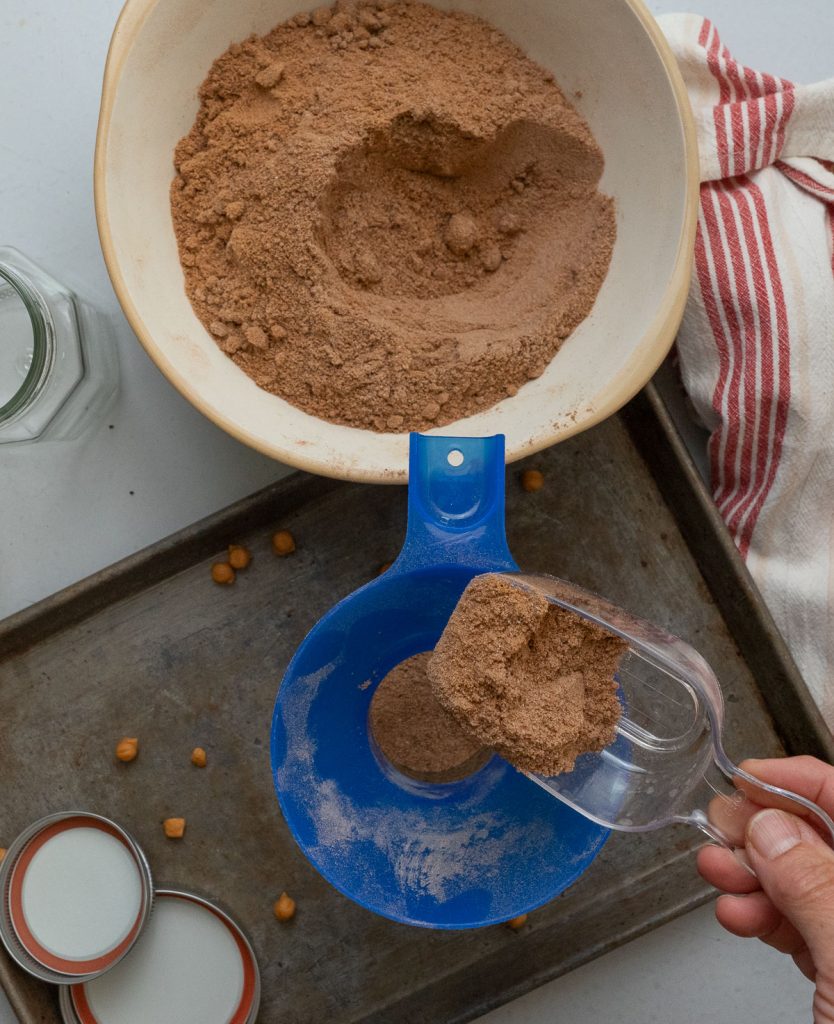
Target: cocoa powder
414 732
389 215
533 681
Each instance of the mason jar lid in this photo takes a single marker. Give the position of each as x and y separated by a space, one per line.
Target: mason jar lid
77 892
193 963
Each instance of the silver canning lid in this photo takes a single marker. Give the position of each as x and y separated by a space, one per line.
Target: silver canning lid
77 892
194 964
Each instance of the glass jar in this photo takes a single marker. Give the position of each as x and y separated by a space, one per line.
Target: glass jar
58 362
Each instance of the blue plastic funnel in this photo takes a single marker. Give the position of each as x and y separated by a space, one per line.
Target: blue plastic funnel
457 855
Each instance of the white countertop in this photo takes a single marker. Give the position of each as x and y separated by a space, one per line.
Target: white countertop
67 511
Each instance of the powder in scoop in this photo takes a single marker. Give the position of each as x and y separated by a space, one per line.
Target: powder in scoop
388 215
414 732
527 678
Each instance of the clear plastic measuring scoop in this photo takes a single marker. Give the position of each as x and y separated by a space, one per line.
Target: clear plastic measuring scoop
668 761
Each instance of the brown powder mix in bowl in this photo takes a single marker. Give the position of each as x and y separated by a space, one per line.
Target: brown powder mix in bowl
527 678
388 215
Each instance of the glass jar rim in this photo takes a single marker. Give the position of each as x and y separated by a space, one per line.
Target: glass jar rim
41 344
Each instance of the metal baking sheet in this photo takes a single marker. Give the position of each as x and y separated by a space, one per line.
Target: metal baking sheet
151 647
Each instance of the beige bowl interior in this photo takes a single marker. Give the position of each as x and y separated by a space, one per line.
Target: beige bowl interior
633 98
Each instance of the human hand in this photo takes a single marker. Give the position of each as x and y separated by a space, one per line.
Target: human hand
790 904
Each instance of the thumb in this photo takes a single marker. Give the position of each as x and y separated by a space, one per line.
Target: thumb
796 869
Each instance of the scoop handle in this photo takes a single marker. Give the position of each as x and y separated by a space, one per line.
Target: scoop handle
727 770
700 820
730 771
786 794
456 504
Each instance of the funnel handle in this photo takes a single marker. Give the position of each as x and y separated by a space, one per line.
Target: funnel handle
456 504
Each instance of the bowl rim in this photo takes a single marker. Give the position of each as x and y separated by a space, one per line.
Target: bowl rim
649 353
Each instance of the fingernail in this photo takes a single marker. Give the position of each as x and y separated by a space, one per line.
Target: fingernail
772 833
726 897
742 858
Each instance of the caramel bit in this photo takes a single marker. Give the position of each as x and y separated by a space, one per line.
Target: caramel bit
223 574
384 568
198 757
283 543
532 480
174 828
127 748
284 907
3 852
239 556
517 923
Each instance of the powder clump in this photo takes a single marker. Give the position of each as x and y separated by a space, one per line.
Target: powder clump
533 681
388 215
415 733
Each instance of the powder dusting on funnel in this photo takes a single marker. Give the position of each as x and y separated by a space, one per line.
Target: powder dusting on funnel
423 856
531 680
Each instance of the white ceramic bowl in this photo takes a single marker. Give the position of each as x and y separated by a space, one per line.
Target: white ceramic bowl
634 100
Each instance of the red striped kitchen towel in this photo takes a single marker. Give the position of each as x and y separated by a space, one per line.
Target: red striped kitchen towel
757 341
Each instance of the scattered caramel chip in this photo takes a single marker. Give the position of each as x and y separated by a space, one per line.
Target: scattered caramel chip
239 556
283 543
532 480
284 907
127 748
174 828
198 757
223 573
